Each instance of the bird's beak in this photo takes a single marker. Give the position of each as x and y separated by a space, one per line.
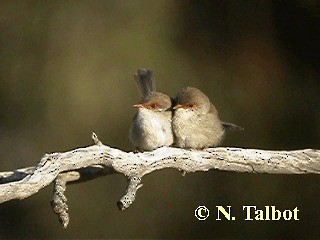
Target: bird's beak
138 105
178 106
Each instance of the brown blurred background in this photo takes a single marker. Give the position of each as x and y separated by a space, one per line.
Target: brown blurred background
66 69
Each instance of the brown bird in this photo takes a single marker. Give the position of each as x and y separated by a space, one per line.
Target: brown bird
195 121
151 126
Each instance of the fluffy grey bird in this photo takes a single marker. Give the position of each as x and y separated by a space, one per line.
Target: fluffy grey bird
151 126
195 121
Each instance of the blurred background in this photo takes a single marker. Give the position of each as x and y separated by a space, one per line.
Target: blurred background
66 69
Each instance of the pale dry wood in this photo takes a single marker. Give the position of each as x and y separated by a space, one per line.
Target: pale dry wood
86 163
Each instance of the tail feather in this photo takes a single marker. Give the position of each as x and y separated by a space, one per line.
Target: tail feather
144 79
231 126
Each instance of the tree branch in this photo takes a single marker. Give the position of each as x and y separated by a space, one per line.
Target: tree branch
84 164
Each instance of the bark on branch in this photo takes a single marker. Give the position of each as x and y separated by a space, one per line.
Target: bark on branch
86 163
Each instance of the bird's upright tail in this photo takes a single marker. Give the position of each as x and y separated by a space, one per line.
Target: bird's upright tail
144 79
231 126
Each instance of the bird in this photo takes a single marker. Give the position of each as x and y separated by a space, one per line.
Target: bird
151 126
196 123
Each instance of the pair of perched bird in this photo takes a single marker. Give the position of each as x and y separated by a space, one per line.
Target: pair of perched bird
188 121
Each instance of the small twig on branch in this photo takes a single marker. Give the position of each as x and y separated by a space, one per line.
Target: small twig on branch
129 197
59 201
83 164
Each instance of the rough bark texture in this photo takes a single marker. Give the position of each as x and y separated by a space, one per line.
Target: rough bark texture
83 164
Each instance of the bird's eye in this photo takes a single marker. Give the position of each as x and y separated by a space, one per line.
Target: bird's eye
153 105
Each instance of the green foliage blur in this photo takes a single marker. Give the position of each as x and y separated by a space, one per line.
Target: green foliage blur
66 69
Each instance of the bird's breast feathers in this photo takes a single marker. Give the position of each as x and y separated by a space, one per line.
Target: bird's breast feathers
156 125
